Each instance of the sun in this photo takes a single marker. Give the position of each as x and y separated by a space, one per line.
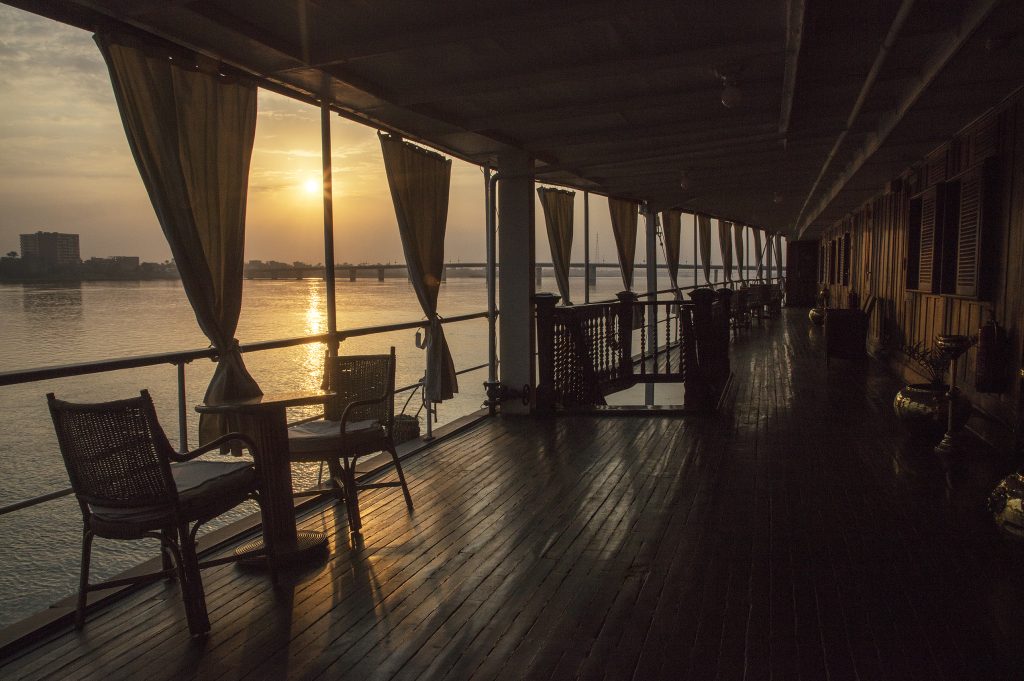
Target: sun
312 186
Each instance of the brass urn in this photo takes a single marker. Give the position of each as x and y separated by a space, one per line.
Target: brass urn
1007 504
923 408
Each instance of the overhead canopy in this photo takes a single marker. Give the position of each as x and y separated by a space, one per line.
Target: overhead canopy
829 99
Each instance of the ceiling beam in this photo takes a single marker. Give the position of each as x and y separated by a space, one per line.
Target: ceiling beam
631 134
370 41
699 61
971 19
794 34
869 82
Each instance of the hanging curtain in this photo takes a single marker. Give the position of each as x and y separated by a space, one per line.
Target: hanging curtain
725 243
672 226
419 181
704 242
778 254
758 254
558 205
624 214
768 256
191 134
737 232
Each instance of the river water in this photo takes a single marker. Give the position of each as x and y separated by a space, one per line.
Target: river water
44 325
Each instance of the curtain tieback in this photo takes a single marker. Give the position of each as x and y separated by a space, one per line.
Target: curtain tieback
433 330
233 347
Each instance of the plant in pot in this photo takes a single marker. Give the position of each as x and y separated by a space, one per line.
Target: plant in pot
924 407
817 313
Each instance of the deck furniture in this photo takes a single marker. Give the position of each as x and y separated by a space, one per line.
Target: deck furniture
131 484
846 333
264 419
740 312
358 420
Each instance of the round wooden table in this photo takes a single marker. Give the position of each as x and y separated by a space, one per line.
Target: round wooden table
264 419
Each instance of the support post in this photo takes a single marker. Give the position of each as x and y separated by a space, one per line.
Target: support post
329 281
182 419
651 219
703 300
590 275
627 304
516 248
491 386
724 298
545 303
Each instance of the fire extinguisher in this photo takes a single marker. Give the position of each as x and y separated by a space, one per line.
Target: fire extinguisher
990 370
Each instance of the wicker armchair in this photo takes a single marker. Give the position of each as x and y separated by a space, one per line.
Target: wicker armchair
358 422
131 484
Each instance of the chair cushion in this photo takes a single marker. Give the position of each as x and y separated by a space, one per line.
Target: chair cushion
315 439
204 487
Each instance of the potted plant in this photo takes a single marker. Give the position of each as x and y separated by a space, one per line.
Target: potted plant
817 313
924 407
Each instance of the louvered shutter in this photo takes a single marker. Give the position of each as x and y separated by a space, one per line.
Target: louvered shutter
926 272
968 243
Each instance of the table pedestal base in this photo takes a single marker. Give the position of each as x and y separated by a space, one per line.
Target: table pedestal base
307 543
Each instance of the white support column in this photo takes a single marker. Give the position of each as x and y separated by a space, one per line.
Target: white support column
651 219
516 259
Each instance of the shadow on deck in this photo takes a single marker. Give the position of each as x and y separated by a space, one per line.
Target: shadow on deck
790 536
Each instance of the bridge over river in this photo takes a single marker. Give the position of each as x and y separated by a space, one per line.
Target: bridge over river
468 270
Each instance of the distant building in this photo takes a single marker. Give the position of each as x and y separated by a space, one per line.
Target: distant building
118 263
52 248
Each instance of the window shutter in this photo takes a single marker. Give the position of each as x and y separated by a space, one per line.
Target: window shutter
970 233
928 251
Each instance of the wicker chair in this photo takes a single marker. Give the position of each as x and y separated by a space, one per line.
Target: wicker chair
131 484
358 422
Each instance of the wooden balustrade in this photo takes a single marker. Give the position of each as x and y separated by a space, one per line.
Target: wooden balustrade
586 352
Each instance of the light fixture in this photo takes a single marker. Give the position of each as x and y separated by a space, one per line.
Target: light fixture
732 96
684 181
776 198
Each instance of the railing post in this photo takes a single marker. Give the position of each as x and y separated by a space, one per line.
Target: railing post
703 299
182 413
724 298
695 393
627 304
545 305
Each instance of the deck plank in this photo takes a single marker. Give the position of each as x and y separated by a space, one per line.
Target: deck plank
792 535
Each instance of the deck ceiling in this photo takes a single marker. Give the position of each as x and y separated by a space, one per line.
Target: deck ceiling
624 99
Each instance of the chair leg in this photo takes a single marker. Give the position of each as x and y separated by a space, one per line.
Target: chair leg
401 475
192 585
83 577
355 523
166 557
337 472
268 548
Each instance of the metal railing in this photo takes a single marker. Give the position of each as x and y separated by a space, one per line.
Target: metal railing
181 358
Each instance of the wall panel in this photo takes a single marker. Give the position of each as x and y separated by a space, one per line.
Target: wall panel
879 237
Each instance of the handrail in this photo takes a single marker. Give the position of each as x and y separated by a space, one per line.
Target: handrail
693 287
102 366
178 358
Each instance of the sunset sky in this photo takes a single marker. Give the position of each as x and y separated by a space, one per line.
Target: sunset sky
66 167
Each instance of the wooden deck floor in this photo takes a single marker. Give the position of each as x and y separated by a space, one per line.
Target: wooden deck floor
788 537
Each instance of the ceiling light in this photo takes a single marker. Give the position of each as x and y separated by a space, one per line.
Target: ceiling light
731 94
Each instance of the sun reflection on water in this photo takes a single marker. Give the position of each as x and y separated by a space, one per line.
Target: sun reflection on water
316 323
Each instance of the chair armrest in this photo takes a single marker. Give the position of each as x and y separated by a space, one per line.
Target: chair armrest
358 403
216 444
